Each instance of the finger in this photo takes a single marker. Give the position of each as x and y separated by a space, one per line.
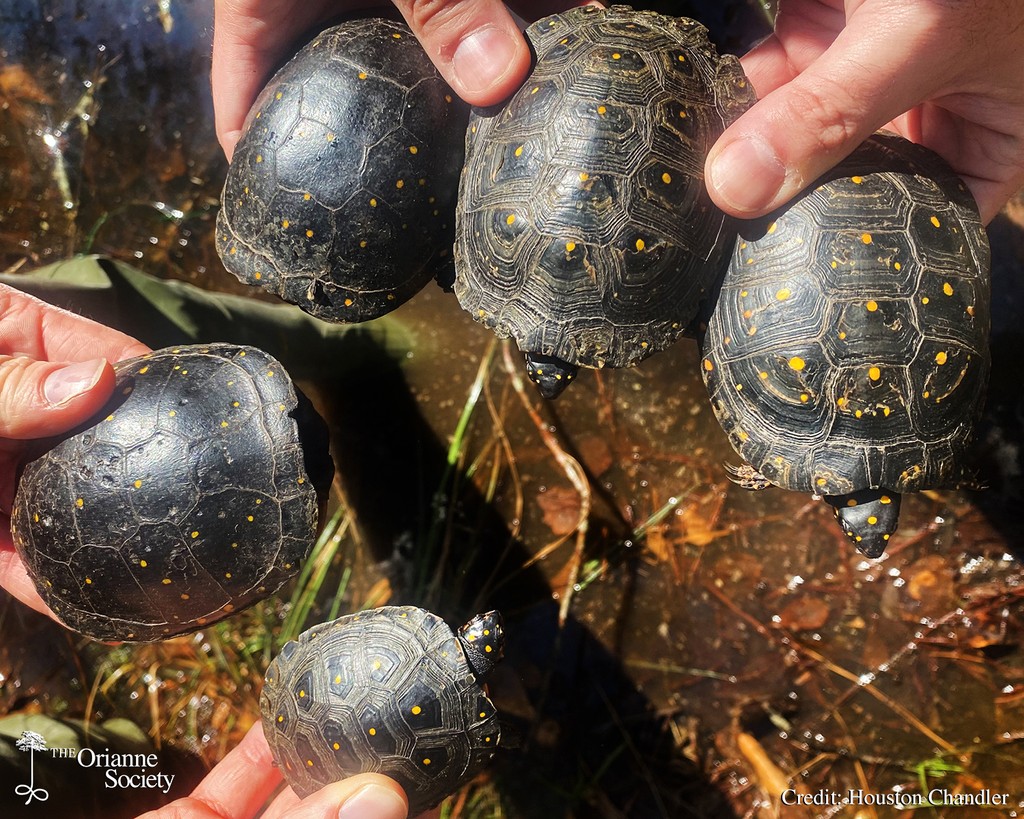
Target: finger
43 398
475 44
15 579
236 788
366 796
32 327
249 40
804 127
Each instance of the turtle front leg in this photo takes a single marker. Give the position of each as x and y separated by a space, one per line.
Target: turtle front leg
869 518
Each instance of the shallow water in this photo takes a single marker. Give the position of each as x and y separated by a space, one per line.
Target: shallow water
696 638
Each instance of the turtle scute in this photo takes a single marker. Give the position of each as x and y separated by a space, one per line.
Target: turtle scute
847 352
340 196
194 493
391 690
584 230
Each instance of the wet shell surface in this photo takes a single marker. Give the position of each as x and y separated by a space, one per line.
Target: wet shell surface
848 347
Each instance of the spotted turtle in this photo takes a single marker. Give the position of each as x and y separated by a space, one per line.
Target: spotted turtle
584 230
847 352
341 192
391 690
193 494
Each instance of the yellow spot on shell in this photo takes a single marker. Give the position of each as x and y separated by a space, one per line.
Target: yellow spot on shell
616 56
426 760
144 370
885 499
510 219
666 178
871 306
602 110
400 184
372 732
762 375
935 221
518 151
570 246
940 358
278 95
804 397
709 366
259 158
348 302
307 196
309 234
856 180
137 484
640 244
373 202
88 580
925 300
947 288
416 709
865 238
841 401
874 373
797 363
872 520
284 223
772 227
79 503
783 294
223 423
167 581
413 149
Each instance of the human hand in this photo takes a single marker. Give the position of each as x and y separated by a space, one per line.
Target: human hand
239 786
475 44
55 373
948 75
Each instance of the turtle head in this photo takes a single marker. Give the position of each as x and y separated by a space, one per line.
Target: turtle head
483 640
869 517
550 374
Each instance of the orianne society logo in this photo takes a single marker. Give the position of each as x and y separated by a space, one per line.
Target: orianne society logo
120 770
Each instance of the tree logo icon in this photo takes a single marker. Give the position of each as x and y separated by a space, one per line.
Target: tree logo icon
31 741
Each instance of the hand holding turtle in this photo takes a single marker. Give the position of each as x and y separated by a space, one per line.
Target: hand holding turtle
55 373
241 783
949 76
475 44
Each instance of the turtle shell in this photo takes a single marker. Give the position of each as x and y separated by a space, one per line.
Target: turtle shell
186 499
584 230
388 690
848 347
341 190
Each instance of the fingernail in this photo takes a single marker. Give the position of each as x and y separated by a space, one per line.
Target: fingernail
747 174
483 58
65 383
373 802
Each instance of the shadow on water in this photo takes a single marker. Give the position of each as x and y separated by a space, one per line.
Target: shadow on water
717 642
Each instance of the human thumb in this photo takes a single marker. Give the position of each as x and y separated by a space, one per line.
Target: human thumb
804 127
366 796
43 398
475 44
